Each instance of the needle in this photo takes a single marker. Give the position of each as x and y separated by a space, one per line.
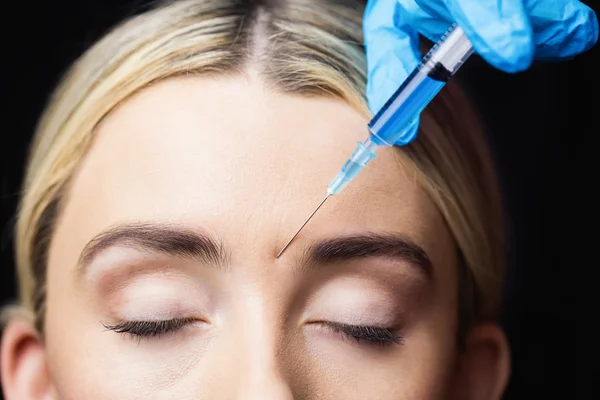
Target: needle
305 222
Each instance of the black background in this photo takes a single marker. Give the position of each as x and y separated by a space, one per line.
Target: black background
541 121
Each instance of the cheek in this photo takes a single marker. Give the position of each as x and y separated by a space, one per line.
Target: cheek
424 372
431 358
423 368
83 368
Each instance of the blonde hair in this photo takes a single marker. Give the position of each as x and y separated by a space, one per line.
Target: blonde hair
297 46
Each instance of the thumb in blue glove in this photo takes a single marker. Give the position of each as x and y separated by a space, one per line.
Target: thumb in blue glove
508 34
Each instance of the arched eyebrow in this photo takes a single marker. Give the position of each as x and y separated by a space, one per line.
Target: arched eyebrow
160 238
370 245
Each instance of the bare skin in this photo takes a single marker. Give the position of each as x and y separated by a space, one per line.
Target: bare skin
196 163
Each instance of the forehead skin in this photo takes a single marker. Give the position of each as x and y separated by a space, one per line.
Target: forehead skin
244 163
227 154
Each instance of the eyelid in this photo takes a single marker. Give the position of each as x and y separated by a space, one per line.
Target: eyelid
156 297
133 272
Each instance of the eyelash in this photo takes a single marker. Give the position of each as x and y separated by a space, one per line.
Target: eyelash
368 334
151 329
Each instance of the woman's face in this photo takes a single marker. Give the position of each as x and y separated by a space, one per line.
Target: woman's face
163 281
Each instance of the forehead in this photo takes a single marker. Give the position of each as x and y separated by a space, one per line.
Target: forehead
244 162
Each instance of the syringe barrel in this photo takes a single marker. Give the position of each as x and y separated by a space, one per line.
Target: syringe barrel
391 124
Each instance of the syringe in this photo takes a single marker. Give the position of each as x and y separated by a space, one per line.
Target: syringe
391 125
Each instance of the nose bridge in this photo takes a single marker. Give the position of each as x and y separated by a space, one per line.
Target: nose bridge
262 375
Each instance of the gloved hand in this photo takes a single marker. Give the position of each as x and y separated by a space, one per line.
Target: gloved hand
508 34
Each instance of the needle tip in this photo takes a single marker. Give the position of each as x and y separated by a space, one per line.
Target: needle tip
304 224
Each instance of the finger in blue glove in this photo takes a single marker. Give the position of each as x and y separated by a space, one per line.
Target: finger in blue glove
509 34
392 49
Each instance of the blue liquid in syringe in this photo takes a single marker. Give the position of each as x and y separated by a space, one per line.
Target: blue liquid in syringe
392 121
400 114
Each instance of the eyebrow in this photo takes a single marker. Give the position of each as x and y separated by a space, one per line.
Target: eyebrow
390 245
166 239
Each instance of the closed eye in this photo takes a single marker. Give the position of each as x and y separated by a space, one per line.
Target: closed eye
365 334
150 329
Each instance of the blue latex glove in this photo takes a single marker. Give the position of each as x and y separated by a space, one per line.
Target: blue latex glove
508 34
